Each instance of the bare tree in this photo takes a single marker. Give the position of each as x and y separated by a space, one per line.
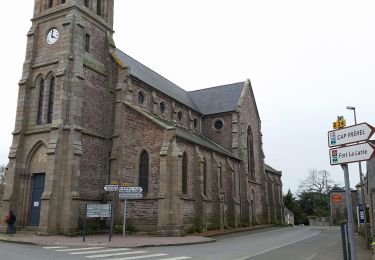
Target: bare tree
317 181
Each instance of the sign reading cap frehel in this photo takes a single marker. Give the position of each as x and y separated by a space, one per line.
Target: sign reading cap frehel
351 153
351 134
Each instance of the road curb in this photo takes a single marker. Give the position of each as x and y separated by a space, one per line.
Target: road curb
106 245
180 244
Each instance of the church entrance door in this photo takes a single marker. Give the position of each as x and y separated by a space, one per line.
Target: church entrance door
37 191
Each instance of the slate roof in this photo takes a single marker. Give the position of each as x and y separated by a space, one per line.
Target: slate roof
155 80
206 101
218 99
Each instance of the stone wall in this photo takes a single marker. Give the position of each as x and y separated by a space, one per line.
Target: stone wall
222 136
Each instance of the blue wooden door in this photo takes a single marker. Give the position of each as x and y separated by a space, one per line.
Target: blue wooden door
37 191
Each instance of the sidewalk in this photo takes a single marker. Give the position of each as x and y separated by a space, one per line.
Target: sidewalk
133 241
120 241
102 240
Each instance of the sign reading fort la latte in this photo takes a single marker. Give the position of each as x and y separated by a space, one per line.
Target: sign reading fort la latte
351 134
351 153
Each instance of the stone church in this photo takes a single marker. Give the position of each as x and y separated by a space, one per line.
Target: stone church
89 114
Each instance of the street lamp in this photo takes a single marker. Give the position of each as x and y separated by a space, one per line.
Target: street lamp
355 115
362 201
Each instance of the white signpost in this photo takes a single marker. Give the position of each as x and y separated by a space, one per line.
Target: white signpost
112 188
351 153
342 154
130 189
129 193
351 134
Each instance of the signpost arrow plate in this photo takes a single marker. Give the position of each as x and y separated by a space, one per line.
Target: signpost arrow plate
123 195
111 187
351 134
351 153
130 189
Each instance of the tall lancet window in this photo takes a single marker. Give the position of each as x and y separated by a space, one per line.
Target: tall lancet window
250 153
204 177
184 173
51 100
143 171
39 116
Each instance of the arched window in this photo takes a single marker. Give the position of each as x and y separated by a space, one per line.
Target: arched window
250 153
141 97
99 7
86 3
87 42
143 171
205 177
162 107
50 3
179 115
63 1
51 100
195 121
184 173
40 103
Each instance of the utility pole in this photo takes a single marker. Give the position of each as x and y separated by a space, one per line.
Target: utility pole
349 210
362 202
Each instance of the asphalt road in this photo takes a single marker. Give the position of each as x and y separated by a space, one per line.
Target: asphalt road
275 243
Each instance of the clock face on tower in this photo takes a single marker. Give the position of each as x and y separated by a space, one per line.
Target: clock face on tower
52 36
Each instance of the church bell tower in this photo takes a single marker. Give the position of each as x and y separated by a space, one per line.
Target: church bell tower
59 158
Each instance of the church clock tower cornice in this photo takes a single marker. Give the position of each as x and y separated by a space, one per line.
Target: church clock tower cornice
100 11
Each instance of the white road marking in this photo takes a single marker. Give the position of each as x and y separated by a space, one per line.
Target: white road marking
137 257
277 247
54 247
77 249
331 244
100 251
176 258
312 256
116 254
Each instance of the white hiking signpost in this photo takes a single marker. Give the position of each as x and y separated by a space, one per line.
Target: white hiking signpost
351 134
351 153
112 188
129 193
342 154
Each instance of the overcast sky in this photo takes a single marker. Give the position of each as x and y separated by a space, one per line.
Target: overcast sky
307 61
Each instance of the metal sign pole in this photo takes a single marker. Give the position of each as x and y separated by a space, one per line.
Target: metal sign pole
123 225
349 209
84 225
363 203
112 216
